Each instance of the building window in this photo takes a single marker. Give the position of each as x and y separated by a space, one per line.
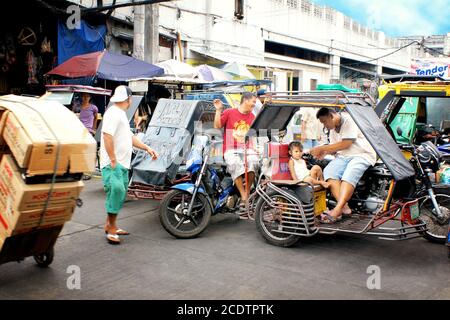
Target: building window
362 30
306 6
278 2
347 23
330 15
292 4
355 26
318 11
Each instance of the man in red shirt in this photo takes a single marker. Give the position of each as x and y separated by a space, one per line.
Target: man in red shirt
236 123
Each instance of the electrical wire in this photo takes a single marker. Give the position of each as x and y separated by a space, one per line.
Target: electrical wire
378 58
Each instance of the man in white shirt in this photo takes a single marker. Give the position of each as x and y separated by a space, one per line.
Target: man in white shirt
311 128
117 142
354 155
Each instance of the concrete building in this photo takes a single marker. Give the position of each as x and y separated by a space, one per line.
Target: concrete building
295 43
433 46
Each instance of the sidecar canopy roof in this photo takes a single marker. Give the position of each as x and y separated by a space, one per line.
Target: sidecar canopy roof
276 115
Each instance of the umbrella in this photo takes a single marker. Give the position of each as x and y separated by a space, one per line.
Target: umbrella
106 65
238 70
209 73
177 68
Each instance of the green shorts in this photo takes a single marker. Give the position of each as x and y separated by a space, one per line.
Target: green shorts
115 184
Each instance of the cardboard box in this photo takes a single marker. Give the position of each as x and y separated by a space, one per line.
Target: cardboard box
26 197
33 128
2 238
13 222
3 115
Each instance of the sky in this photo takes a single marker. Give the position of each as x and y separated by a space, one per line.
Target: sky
397 17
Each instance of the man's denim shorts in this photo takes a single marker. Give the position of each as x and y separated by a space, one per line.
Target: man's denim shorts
348 169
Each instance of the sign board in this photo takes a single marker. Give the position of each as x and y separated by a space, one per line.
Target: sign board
439 67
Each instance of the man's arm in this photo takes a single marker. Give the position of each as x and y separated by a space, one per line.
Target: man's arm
140 145
109 147
321 151
217 118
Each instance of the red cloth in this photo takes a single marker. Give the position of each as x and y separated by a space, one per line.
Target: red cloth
236 126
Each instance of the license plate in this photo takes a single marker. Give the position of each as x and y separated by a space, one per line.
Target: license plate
414 209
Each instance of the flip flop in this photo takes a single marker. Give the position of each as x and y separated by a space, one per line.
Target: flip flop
112 238
122 232
326 218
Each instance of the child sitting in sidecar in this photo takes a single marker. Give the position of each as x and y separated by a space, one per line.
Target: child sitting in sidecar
298 169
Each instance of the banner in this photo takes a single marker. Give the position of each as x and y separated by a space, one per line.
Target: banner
439 67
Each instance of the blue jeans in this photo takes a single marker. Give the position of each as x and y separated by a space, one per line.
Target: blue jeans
310 143
348 169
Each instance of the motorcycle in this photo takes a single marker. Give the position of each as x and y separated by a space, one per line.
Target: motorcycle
186 210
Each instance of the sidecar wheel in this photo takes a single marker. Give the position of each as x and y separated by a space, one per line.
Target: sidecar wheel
175 222
267 221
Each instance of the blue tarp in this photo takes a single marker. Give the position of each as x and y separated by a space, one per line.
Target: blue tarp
79 41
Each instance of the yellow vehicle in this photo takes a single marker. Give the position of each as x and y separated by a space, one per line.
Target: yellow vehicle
415 111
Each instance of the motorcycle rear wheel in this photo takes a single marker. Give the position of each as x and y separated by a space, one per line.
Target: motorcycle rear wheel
173 218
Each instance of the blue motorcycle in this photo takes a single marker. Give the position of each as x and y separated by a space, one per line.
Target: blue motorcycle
185 211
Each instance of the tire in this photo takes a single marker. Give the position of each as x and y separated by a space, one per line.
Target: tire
45 259
276 240
170 214
437 232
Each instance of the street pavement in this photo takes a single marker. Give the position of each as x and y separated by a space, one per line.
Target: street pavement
229 261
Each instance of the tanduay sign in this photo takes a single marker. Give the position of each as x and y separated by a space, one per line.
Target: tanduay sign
439 67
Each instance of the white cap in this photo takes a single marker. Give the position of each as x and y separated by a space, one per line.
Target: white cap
121 94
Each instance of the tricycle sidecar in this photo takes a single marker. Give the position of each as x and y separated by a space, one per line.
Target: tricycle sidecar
384 202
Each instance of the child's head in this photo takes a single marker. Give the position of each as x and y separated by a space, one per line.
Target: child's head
296 149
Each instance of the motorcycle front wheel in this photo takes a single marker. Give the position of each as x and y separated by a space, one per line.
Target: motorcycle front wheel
437 230
173 214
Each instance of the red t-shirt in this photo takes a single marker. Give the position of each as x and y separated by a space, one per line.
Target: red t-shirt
236 126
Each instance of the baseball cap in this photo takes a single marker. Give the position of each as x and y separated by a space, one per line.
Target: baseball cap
121 94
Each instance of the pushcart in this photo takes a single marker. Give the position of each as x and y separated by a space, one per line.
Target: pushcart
38 244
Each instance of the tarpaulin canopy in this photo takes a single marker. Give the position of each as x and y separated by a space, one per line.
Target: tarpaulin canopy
73 42
177 68
209 73
238 70
106 65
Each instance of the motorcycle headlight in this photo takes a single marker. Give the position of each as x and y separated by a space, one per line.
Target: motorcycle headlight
429 156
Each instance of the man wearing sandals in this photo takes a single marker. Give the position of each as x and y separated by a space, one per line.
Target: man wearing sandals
354 155
236 123
116 147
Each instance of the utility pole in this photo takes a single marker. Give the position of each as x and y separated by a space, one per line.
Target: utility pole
146 33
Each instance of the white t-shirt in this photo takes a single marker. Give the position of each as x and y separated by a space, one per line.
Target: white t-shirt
350 131
313 127
115 123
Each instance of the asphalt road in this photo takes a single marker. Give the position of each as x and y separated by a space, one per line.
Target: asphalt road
229 261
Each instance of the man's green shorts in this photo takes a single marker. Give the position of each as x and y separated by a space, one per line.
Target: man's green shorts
115 184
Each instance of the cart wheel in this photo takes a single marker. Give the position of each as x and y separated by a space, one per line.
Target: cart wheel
79 203
45 259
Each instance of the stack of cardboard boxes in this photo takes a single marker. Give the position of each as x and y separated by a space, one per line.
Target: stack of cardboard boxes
38 139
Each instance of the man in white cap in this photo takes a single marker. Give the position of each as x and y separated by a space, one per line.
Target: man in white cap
116 146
